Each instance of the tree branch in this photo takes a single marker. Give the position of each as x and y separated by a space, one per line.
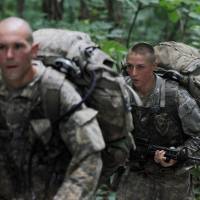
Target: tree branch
139 8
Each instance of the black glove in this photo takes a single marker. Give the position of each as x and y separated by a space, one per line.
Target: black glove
182 155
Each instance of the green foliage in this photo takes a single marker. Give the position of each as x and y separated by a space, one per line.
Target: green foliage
157 20
8 8
194 39
196 181
162 20
146 20
116 50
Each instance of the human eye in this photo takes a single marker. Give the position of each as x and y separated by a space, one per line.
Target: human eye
140 66
128 65
2 46
19 46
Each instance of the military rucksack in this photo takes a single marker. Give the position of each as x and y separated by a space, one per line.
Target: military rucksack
182 63
90 69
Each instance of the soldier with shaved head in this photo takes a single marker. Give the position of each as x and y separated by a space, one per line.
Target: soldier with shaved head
42 157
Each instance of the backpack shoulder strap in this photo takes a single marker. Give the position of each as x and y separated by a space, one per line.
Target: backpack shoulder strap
51 83
168 92
171 94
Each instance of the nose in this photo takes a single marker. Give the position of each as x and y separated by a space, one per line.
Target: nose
10 53
133 71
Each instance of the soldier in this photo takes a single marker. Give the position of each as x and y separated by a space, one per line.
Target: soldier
169 117
42 156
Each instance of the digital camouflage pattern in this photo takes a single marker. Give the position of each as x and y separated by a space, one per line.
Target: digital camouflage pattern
176 55
168 117
110 97
184 59
44 161
157 186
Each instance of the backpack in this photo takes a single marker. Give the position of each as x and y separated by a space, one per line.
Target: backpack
180 62
90 70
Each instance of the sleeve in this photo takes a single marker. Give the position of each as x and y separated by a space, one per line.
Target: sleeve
115 155
83 138
189 113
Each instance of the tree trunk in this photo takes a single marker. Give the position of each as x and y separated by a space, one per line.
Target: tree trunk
84 11
115 11
53 9
20 7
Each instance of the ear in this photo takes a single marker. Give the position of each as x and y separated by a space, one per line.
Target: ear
34 50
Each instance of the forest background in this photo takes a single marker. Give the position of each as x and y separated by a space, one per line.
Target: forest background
115 25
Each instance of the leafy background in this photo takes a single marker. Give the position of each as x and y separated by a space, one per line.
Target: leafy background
115 25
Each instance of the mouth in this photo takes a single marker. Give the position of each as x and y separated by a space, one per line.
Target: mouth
11 66
135 81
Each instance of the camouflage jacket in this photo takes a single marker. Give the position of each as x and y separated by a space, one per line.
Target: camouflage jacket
168 117
43 160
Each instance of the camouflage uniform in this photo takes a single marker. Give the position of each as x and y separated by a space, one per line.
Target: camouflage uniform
44 160
169 117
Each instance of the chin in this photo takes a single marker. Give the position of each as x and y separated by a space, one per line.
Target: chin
136 83
13 77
